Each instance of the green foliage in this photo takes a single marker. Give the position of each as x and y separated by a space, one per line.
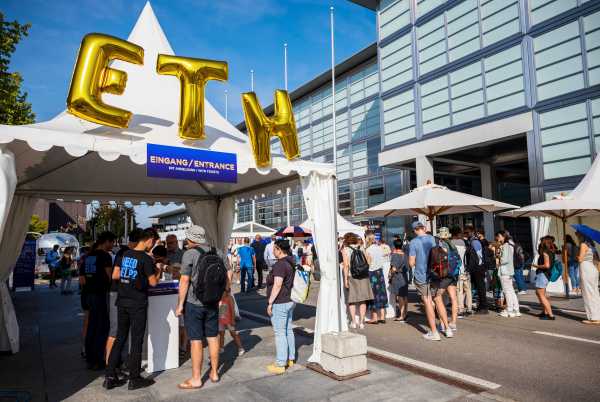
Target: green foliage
111 217
14 108
37 225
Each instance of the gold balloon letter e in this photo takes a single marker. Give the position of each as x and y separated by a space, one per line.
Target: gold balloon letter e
92 76
192 74
261 128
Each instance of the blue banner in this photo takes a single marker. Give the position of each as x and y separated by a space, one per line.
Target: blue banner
190 164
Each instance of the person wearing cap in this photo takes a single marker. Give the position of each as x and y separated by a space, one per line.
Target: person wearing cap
448 284
201 321
418 256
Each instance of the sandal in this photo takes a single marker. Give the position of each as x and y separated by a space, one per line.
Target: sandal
591 322
372 322
187 384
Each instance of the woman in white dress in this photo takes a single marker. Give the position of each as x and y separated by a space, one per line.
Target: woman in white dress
588 277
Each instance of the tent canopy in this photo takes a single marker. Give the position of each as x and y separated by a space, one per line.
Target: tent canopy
432 200
584 200
343 226
250 229
73 159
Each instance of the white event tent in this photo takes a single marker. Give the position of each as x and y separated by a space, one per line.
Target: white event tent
72 159
343 226
250 229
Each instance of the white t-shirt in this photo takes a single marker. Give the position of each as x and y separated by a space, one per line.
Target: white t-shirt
376 255
461 248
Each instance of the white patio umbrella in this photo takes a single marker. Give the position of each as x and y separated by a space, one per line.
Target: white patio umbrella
432 200
343 226
584 200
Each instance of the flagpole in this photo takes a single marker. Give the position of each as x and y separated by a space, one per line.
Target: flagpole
226 105
285 77
251 80
338 275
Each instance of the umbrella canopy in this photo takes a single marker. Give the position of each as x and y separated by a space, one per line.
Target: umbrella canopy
588 232
432 200
293 231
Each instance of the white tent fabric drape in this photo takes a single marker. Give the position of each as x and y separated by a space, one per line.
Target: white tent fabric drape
319 193
216 217
8 183
539 228
15 229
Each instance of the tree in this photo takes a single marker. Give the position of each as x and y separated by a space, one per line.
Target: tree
14 108
37 225
112 218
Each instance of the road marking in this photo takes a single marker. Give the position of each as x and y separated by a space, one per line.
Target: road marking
403 359
574 338
436 369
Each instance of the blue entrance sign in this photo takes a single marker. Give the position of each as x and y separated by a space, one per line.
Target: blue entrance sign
24 270
190 164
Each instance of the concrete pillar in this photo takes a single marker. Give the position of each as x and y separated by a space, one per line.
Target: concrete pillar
235 214
288 192
253 210
424 167
487 192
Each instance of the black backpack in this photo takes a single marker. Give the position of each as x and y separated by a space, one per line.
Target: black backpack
489 258
212 278
472 263
359 267
518 255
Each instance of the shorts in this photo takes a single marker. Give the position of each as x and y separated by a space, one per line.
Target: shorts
201 321
541 280
444 283
112 314
426 289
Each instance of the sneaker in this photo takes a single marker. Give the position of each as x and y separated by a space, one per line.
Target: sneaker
432 336
113 382
353 325
461 315
453 327
482 312
522 292
548 318
517 314
512 315
504 314
241 352
290 363
449 333
139 382
361 326
273 369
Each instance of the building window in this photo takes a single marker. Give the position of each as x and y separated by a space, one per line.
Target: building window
591 25
365 120
424 6
435 105
344 199
541 10
361 196
463 29
393 15
596 123
304 136
466 89
364 83
504 85
359 160
343 164
373 150
565 141
396 63
341 94
376 193
341 128
399 118
302 112
245 212
558 61
499 20
431 42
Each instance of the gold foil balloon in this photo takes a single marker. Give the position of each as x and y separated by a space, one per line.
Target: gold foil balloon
92 76
261 128
193 75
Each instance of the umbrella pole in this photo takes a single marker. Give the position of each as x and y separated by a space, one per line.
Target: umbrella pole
565 274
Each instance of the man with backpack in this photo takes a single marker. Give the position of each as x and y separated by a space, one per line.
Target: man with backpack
203 281
418 259
52 259
474 263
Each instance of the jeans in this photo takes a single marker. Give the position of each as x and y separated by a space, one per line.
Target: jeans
97 331
246 273
574 275
133 318
512 302
464 293
520 280
260 266
285 344
478 281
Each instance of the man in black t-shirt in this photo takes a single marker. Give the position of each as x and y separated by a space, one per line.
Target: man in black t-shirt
259 249
135 270
95 278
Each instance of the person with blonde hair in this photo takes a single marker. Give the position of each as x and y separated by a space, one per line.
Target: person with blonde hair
356 283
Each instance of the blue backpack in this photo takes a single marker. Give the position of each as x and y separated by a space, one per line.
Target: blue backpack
454 260
556 270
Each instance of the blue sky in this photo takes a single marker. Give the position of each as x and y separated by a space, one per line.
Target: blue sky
249 34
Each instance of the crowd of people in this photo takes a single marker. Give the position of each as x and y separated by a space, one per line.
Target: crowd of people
455 269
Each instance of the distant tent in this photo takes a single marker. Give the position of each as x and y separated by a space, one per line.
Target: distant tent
250 229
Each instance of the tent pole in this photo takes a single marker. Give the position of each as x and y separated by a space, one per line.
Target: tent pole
565 274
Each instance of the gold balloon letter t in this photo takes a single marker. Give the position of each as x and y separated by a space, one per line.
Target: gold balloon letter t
193 74
92 76
261 128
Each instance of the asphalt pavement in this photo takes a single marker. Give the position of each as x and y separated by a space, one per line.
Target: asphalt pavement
530 359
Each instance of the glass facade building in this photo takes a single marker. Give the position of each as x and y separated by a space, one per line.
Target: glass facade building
441 68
